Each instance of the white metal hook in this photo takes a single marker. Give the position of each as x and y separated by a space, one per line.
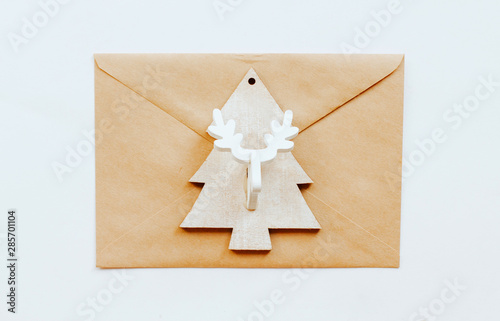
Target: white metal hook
227 140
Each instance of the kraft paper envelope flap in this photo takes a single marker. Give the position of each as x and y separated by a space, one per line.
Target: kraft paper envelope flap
153 111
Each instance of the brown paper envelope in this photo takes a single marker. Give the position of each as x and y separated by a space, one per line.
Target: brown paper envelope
152 112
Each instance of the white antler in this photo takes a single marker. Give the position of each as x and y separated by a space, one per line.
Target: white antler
227 140
279 141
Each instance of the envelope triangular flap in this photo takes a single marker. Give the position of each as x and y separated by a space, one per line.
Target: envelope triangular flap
190 86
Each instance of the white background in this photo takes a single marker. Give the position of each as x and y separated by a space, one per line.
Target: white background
450 211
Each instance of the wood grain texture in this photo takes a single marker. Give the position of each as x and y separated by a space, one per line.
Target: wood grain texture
221 203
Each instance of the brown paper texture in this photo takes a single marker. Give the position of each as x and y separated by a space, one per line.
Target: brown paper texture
152 112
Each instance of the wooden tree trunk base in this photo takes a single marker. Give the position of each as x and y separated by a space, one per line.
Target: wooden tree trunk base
250 238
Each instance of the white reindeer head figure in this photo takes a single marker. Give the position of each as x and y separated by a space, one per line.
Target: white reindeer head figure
227 140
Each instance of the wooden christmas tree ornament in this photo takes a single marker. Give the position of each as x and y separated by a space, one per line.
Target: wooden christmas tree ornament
251 175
